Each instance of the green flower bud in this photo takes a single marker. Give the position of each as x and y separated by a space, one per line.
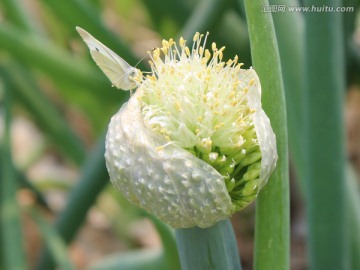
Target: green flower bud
192 145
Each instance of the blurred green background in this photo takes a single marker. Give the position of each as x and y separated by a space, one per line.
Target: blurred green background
56 104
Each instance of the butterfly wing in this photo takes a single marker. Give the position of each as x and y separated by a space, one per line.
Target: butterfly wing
114 67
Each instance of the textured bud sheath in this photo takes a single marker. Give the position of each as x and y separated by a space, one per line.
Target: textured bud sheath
161 177
265 135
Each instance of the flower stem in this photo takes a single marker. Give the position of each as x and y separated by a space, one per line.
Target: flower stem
272 207
212 248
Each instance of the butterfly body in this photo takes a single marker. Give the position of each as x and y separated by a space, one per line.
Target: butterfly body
120 73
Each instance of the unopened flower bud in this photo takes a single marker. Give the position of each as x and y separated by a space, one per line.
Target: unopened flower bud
193 144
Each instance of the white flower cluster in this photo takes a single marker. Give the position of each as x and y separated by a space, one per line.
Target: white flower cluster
193 144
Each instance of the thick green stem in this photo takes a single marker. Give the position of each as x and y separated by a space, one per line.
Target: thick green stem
325 140
272 244
212 248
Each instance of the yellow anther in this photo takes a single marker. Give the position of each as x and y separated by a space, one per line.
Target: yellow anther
156 54
187 51
213 46
229 62
182 42
137 79
220 65
152 78
220 55
201 50
196 36
251 82
236 58
216 127
207 54
178 106
159 148
164 50
165 43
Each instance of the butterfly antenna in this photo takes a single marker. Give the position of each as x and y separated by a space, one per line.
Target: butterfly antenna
144 58
140 60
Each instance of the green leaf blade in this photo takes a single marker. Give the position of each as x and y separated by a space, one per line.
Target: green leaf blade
272 241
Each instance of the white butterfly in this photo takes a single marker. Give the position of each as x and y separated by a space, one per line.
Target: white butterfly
119 72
